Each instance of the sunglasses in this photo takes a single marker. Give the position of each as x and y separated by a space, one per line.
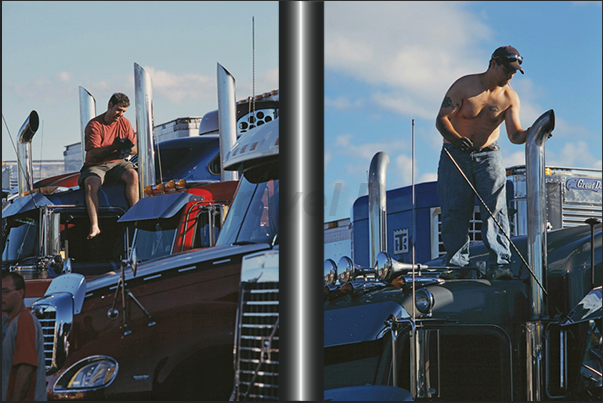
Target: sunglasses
510 58
514 58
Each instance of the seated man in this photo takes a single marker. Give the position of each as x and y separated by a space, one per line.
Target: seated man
109 139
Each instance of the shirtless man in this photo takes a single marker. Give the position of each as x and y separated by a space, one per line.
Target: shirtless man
109 138
469 121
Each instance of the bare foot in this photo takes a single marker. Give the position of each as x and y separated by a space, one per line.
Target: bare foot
93 232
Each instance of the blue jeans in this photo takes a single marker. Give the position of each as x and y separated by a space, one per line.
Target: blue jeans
486 172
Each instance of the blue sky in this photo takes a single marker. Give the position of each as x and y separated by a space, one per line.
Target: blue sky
387 63
49 49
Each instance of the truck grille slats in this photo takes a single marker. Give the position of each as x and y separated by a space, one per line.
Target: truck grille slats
257 348
574 214
48 322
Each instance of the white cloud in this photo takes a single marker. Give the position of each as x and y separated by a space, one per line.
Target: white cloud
517 158
442 34
403 165
346 144
64 76
428 177
574 154
344 103
409 105
445 44
179 87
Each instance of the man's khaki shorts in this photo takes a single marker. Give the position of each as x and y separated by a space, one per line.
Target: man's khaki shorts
110 172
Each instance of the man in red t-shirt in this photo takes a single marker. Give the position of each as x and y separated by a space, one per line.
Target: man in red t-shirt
23 366
109 139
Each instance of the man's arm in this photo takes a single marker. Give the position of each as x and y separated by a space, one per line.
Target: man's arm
103 153
516 134
23 378
450 106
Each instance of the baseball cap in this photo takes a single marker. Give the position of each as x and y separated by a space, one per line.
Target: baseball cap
510 58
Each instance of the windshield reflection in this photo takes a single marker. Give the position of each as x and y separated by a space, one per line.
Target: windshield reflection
253 217
155 239
21 240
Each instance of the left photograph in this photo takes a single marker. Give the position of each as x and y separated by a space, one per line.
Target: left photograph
140 201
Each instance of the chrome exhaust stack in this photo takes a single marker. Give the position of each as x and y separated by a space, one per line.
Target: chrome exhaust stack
24 155
227 119
87 113
537 251
144 128
377 205
536 207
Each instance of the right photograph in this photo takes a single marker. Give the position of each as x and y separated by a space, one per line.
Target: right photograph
463 201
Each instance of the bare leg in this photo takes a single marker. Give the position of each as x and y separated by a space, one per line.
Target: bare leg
91 185
130 177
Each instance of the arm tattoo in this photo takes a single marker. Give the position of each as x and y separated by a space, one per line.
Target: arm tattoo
516 135
494 108
447 103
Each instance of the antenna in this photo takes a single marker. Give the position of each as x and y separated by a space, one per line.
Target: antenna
413 219
253 66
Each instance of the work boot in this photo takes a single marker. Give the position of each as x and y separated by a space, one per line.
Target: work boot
499 272
456 274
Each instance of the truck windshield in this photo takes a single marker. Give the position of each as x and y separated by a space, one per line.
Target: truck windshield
354 365
253 217
21 240
155 239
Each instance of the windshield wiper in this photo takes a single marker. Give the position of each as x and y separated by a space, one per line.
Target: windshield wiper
244 243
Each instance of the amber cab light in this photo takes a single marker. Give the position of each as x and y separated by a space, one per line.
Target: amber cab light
347 288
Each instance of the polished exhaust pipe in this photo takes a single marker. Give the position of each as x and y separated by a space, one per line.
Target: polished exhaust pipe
536 207
537 252
144 128
24 156
87 113
377 205
227 119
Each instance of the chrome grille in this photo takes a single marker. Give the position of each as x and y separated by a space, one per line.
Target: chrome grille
257 345
575 214
47 316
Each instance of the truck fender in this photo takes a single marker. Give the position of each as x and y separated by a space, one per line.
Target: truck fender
72 283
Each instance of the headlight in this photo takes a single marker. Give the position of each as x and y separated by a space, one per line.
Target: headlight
424 300
88 374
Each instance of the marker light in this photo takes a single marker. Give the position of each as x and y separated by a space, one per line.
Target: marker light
345 268
330 272
398 282
424 300
347 288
